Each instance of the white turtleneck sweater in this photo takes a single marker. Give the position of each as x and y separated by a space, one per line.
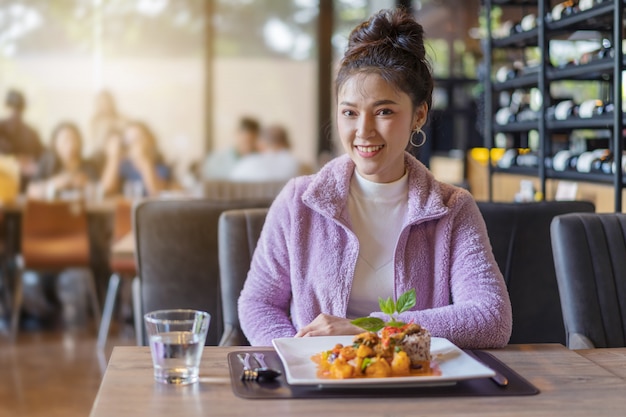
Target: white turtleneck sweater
377 212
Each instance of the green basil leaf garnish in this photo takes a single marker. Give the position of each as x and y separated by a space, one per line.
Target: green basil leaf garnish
406 301
371 324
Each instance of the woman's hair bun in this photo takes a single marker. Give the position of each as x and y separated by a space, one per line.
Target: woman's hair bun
390 43
388 28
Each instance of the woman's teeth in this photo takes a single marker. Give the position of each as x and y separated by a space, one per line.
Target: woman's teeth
369 148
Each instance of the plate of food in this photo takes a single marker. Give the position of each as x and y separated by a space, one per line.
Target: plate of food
386 354
449 364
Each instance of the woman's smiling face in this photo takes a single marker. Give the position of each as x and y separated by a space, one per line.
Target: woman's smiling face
375 122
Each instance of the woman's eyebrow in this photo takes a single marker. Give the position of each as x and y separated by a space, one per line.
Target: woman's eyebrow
383 102
376 103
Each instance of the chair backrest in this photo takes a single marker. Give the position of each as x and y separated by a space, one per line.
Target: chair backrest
520 238
241 190
176 254
238 233
590 262
55 234
122 218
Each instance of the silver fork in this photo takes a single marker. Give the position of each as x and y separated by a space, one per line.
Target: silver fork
248 373
256 374
260 358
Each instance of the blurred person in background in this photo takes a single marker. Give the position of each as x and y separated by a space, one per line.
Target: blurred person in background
219 164
62 171
134 166
273 162
18 138
105 119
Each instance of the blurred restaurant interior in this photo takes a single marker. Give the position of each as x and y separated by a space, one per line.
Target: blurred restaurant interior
129 127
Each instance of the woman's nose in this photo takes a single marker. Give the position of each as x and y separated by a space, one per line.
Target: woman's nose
365 127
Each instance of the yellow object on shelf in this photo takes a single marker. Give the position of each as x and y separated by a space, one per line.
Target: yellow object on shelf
481 155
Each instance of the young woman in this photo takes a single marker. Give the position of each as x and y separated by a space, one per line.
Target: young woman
62 170
374 222
133 161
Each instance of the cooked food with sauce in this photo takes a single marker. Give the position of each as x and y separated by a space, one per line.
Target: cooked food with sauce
394 351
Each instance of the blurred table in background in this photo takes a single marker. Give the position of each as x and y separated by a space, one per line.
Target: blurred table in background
100 218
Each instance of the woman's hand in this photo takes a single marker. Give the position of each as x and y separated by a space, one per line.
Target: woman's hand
68 180
61 181
327 325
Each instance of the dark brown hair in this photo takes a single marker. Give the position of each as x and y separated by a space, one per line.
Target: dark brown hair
249 124
391 44
62 126
149 135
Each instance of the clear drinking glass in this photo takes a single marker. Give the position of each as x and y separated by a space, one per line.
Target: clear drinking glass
176 341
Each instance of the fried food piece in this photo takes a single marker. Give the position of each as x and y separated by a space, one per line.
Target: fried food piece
401 364
378 368
369 339
384 351
348 352
364 351
340 369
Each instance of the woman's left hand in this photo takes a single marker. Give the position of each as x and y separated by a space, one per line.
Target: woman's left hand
327 325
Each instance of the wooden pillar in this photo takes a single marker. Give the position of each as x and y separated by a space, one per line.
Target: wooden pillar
324 75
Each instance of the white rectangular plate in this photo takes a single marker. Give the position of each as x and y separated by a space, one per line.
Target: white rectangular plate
296 353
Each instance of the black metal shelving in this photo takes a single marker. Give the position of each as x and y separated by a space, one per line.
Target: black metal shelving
516 127
599 70
522 81
582 176
522 39
597 122
517 170
606 17
595 18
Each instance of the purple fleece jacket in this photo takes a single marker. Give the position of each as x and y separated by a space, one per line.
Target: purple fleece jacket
305 259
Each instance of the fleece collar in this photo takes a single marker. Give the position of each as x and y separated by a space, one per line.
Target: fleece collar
328 191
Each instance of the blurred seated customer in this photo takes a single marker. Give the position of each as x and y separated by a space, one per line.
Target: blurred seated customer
134 164
18 138
274 162
219 164
62 171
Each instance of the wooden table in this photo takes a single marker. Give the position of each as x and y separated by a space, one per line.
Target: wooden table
106 206
612 359
100 223
570 384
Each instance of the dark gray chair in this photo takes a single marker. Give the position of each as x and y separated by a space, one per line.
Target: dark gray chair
238 232
590 262
177 255
519 235
520 238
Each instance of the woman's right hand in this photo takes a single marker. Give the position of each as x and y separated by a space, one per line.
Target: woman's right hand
327 325
60 181
68 180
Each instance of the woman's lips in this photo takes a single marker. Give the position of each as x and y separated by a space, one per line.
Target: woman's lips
369 150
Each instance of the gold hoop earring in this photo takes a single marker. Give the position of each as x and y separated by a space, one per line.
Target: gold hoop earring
415 133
